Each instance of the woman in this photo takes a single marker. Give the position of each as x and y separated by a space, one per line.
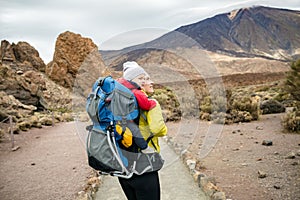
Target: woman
151 123
145 186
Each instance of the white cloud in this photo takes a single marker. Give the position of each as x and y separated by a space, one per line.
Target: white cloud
40 22
132 37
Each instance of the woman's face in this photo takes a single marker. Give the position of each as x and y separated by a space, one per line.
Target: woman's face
148 85
140 80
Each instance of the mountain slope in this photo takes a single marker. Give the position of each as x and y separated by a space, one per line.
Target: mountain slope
260 31
271 33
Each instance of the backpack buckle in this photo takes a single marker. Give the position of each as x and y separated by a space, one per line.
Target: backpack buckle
110 128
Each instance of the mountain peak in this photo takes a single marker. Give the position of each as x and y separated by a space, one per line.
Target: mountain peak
251 31
234 13
256 31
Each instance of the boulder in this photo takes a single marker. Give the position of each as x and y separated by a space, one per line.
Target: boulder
271 106
74 56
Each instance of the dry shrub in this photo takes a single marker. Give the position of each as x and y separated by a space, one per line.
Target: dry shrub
236 116
217 105
213 105
219 117
291 121
206 106
244 108
169 104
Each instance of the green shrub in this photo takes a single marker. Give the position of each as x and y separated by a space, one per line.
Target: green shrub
293 80
291 121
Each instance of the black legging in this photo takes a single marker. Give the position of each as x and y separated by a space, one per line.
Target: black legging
141 187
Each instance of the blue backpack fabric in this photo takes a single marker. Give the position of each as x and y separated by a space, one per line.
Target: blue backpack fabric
109 102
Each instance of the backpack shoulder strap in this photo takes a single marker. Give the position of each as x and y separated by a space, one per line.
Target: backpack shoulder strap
142 114
149 139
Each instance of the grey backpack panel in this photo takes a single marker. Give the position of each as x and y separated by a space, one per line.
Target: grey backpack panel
148 163
120 98
92 107
100 152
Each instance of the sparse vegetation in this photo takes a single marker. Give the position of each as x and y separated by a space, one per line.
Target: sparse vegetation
293 80
291 121
244 108
237 105
240 104
169 104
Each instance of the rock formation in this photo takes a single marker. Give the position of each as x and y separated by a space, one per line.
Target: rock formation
25 89
21 75
21 53
73 55
29 87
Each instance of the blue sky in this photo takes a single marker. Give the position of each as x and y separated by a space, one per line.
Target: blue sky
112 24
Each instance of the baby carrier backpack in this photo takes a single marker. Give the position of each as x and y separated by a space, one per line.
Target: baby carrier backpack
111 106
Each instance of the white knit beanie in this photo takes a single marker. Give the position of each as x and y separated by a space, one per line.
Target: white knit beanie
131 70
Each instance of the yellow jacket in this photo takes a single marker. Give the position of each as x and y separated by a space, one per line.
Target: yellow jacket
152 123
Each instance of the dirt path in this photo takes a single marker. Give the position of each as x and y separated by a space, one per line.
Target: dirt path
175 180
50 164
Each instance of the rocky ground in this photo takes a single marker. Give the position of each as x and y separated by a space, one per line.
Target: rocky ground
51 164
254 160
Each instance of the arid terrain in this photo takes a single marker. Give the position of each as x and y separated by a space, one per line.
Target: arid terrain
51 164
240 165
253 160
